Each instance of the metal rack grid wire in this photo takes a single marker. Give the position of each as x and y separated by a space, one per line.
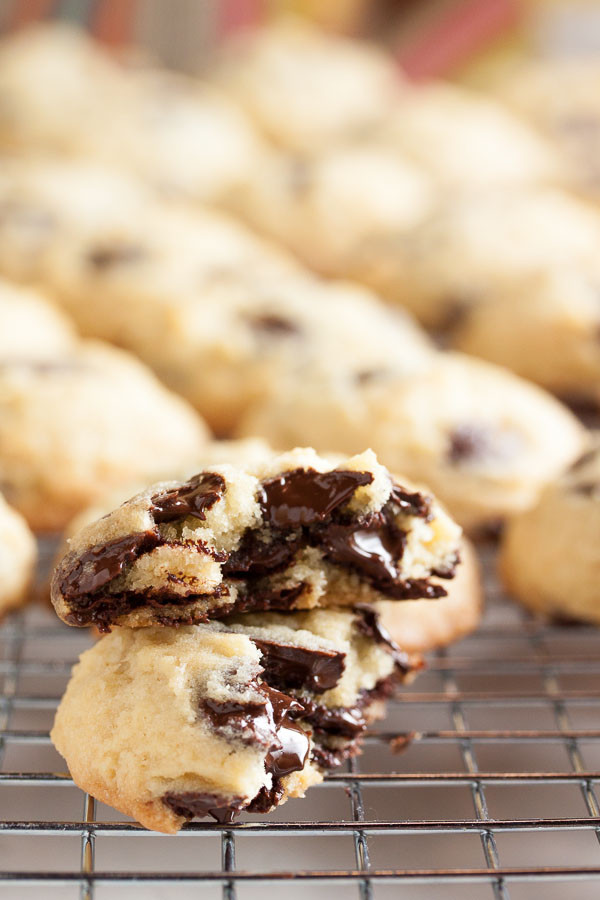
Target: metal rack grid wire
483 782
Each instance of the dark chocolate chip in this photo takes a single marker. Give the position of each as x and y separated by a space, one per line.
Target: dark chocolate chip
305 496
475 443
369 623
256 557
300 667
368 376
267 722
194 498
274 325
106 257
585 459
586 489
194 804
467 442
95 568
410 503
267 798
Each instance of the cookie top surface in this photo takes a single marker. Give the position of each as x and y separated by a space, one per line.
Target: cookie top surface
46 200
306 89
556 341
185 138
484 142
97 409
549 554
54 81
483 439
326 207
294 531
30 327
471 244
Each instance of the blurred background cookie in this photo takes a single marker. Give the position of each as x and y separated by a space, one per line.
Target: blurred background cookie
549 558
545 327
18 556
79 417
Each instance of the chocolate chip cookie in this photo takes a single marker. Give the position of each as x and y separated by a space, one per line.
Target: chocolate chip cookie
293 532
87 419
55 84
217 719
550 557
306 89
559 94
30 328
47 201
484 440
17 558
221 315
545 327
61 91
483 142
340 210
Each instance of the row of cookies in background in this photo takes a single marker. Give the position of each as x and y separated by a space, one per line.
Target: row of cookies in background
259 345
201 300
441 199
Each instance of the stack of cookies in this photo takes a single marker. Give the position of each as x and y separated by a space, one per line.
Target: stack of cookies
245 655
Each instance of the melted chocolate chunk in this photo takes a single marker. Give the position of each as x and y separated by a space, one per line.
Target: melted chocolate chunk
299 667
369 623
103 610
256 557
410 503
104 258
262 599
194 498
194 804
332 757
266 799
303 508
268 723
95 568
373 549
305 496
273 325
340 721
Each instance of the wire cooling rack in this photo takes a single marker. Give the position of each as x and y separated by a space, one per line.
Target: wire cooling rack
481 783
